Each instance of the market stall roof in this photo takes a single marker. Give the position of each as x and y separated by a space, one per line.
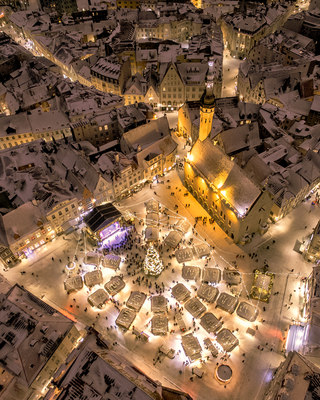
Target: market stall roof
152 219
111 261
151 233
207 292
182 225
210 323
136 300
180 321
232 277
92 258
210 346
180 292
184 255
227 302
227 340
102 216
159 325
114 285
152 206
263 281
247 311
191 273
173 239
125 318
158 304
202 250
211 275
73 283
195 307
93 278
191 347
98 298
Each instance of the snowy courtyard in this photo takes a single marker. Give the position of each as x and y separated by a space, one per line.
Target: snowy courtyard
45 273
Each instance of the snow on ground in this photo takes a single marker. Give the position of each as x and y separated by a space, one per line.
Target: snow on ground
230 74
48 281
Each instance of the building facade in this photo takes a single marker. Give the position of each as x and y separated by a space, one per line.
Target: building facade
237 205
243 29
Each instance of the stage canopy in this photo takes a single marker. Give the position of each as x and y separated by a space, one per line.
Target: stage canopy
101 216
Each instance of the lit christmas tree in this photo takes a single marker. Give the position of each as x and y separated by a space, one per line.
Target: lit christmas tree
152 264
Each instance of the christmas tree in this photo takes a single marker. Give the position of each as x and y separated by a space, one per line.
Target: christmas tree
152 264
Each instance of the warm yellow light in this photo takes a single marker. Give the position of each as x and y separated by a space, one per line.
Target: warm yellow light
223 192
189 157
219 185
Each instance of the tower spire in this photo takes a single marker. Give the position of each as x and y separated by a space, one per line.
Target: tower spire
207 104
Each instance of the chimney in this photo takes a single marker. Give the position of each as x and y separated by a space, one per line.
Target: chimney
138 148
116 158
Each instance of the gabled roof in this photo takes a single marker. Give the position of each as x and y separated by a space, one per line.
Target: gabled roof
225 175
237 139
145 135
25 320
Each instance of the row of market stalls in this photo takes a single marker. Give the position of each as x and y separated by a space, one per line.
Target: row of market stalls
225 340
152 221
75 281
224 301
91 279
159 321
